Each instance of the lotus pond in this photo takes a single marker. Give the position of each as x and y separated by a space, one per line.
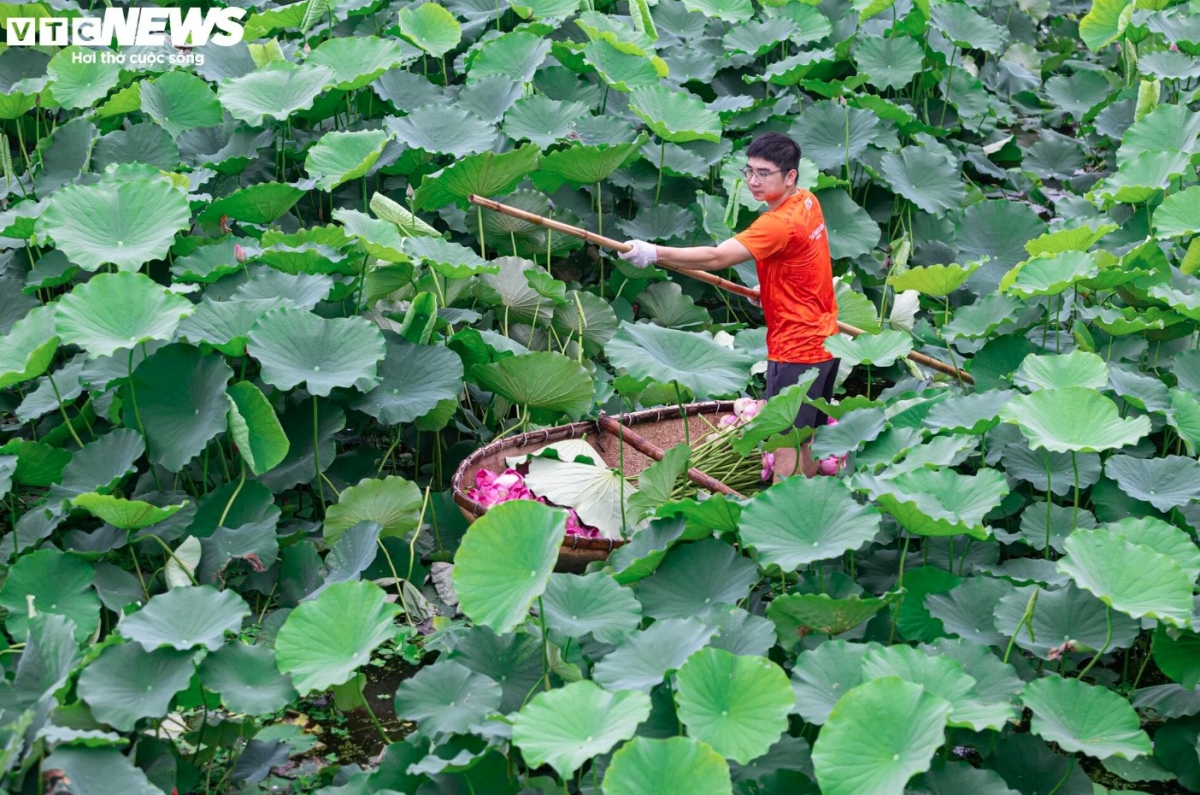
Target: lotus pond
251 326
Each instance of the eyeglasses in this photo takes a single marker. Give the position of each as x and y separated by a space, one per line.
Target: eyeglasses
752 175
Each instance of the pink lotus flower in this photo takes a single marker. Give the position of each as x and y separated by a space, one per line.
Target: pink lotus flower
833 464
239 253
491 489
747 408
768 470
576 527
727 421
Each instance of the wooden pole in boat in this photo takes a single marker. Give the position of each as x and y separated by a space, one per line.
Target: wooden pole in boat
704 276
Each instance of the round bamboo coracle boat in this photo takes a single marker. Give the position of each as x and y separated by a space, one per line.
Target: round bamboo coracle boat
639 438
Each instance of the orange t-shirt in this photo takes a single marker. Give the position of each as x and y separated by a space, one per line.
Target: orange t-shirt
791 251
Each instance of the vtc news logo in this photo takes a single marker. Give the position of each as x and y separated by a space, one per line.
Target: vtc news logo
130 28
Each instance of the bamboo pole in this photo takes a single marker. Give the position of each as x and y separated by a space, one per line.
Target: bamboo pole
651 450
704 276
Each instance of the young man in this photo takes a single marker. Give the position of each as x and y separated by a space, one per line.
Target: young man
790 248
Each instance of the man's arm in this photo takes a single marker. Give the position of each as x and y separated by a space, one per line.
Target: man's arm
700 258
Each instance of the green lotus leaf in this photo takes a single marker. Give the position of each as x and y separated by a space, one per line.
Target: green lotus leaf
207 264
393 502
116 311
126 683
967 609
974 414
515 55
541 119
823 675
737 705
1073 418
924 177
856 426
407 223
690 359
125 514
431 27
1103 23
124 223
447 698
29 347
225 325
940 502
277 90
578 605
966 27
585 165
504 562
180 101
1129 577
880 350
485 174
80 85
357 61
324 641
1051 371
621 70
1049 275
941 676
1167 482
1079 238
574 724
1141 177
777 416
542 380
878 736
831 135
255 429
1178 215
55 583
295 347
342 156
100 465
694 577
414 379
247 679
180 395
674 766
852 231
888 63
1084 718
821 613
37 463
444 129
261 203
936 280
801 520
643 658
184 618
675 116
1167 128
794 69
1067 614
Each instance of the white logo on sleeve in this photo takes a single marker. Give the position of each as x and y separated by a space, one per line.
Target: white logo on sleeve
816 233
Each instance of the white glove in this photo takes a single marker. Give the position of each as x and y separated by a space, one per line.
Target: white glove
754 302
641 254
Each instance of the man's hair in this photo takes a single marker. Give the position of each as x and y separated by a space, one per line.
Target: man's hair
778 149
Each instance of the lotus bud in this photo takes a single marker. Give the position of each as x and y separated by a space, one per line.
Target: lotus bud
1174 47
768 469
728 421
239 253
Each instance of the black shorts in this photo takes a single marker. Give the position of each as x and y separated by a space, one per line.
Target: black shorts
784 374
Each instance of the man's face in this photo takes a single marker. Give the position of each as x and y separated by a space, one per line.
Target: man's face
770 187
